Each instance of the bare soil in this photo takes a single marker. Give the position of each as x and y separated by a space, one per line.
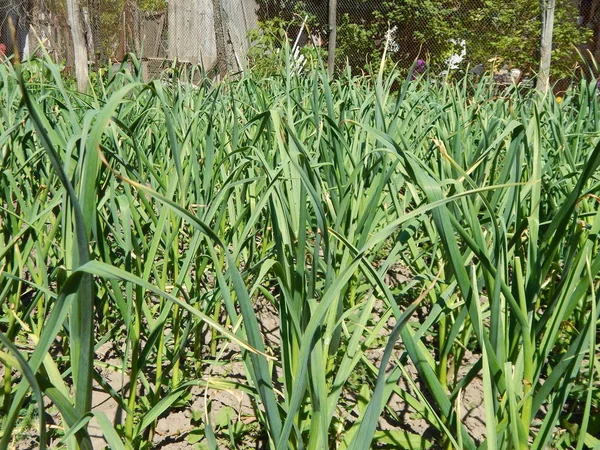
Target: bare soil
174 430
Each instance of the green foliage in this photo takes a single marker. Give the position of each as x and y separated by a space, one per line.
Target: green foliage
331 249
266 43
508 30
152 5
355 44
512 30
268 54
424 28
110 26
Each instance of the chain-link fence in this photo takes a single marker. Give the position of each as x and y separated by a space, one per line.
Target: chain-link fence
111 28
45 23
447 34
211 33
15 13
229 35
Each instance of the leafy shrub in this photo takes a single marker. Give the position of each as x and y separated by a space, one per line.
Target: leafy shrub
508 30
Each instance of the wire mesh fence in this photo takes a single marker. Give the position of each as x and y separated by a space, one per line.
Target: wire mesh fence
448 34
15 13
229 35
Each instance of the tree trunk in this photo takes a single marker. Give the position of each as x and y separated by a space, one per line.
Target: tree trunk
543 81
78 39
220 38
17 12
133 28
332 37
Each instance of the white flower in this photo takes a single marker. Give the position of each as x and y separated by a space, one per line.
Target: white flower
453 61
390 37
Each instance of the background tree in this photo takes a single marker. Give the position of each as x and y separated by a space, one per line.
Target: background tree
590 17
512 30
220 38
507 30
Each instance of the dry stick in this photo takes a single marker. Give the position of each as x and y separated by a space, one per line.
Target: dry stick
15 45
235 54
297 40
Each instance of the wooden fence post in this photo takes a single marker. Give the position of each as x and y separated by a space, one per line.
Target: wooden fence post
332 37
543 81
79 46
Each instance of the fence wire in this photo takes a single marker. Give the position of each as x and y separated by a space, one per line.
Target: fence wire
449 35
